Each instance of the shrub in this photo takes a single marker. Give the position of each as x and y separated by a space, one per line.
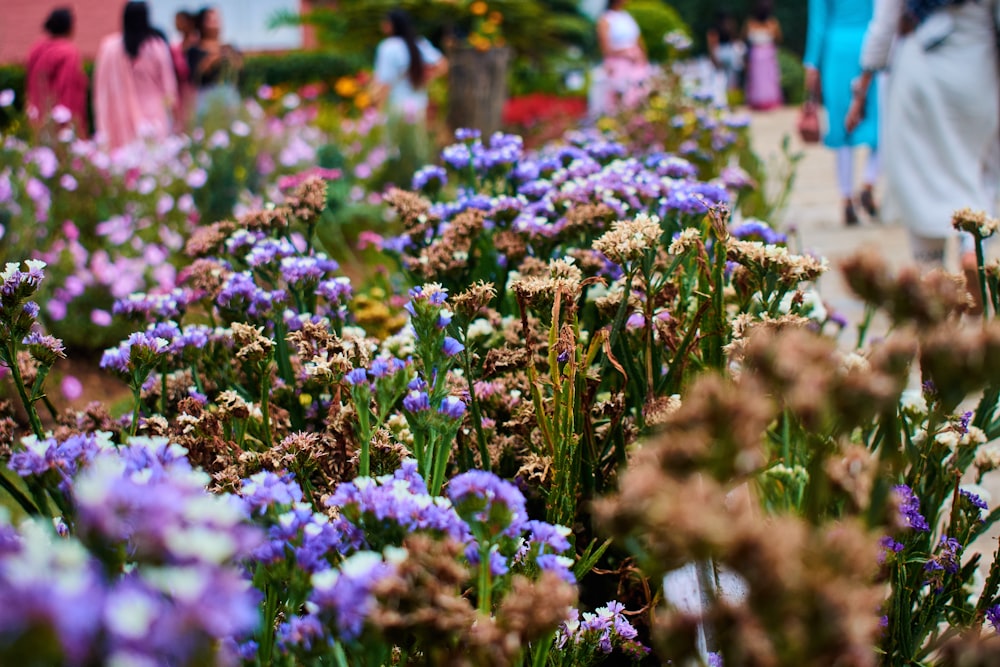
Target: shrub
656 19
793 86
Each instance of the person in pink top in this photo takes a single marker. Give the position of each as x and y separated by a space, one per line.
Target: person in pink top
135 85
55 75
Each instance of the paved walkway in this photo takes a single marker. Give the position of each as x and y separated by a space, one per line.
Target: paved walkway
815 208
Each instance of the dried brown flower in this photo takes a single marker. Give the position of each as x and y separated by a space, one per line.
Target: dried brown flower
251 343
629 240
308 201
208 240
977 223
470 302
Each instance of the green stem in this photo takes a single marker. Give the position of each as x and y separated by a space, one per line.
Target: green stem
265 403
484 452
136 397
364 428
442 451
16 494
267 631
981 275
163 390
485 594
29 407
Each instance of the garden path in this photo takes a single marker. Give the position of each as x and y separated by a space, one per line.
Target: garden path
814 209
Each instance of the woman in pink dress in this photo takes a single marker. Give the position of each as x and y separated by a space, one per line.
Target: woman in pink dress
55 76
763 33
135 85
626 67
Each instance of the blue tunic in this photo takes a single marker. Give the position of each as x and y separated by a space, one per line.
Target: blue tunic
833 46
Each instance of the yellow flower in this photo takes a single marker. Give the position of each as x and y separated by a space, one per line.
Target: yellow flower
345 86
363 100
478 8
479 42
305 400
489 28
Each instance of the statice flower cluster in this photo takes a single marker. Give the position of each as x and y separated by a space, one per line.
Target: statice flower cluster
150 573
604 630
909 509
365 539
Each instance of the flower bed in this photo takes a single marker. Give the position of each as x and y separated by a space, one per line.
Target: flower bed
583 377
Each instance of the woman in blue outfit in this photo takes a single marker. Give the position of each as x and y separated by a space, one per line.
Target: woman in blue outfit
833 50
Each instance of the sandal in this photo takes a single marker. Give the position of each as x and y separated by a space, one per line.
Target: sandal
867 201
850 215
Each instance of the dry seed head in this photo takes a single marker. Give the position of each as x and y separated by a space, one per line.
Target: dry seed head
251 342
629 240
688 238
977 223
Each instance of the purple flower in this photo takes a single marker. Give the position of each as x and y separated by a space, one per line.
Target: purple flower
490 505
974 500
560 565
356 377
452 407
467 134
909 508
430 178
417 401
993 617
266 489
451 347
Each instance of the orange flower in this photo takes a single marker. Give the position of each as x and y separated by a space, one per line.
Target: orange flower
478 8
363 100
345 86
495 17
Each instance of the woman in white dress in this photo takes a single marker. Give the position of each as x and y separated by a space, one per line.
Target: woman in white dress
625 67
941 134
404 65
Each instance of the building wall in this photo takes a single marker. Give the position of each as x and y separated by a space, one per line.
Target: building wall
244 23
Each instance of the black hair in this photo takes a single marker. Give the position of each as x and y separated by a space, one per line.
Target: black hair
187 16
402 26
723 23
763 10
136 28
200 16
60 22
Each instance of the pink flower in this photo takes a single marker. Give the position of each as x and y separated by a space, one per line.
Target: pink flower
61 114
56 309
197 178
369 238
101 318
72 388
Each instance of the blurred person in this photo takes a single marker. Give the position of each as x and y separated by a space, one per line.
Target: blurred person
763 80
215 67
727 51
625 67
833 49
404 65
941 135
135 85
54 74
186 25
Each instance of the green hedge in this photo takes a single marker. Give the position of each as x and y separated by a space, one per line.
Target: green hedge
793 77
656 19
296 68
